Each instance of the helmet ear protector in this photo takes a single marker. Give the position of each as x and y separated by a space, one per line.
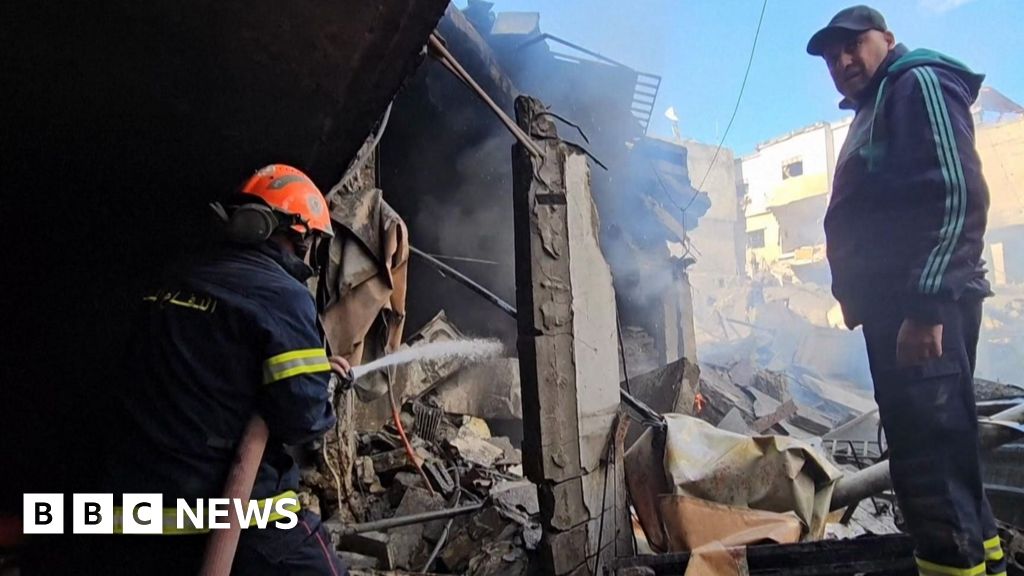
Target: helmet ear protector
250 223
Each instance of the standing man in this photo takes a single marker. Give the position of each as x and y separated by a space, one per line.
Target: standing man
229 335
905 229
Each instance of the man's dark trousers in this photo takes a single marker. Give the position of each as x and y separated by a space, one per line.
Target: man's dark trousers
931 427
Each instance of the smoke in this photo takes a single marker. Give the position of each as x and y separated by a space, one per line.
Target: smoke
446 167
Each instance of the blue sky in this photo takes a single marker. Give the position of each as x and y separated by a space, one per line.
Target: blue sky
700 49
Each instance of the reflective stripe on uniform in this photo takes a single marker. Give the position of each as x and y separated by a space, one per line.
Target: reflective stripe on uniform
170 515
293 363
926 568
995 560
993 550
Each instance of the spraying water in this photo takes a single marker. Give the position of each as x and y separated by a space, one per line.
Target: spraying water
476 350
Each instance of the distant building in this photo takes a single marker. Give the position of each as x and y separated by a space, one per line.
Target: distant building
787 182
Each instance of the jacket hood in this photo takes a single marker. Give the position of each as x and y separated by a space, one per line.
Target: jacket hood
925 57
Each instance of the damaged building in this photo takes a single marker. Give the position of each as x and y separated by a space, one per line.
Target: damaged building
631 327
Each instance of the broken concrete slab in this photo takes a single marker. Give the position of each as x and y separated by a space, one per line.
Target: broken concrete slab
734 422
373 544
486 525
418 501
488 390
357 561
400 484
518 495
408 543
511 455
475 449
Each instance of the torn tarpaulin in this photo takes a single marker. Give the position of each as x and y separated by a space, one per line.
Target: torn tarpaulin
691 458
361 290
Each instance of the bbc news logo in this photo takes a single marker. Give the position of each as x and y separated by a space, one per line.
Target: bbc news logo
145 514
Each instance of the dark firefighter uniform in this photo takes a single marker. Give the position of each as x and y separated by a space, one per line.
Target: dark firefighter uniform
227 336
905 228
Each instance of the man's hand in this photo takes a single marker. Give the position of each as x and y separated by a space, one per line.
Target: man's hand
340 366
918 342
341 375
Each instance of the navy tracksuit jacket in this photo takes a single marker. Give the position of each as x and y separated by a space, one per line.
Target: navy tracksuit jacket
904 230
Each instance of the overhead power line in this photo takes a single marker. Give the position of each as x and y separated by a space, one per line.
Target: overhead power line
735 108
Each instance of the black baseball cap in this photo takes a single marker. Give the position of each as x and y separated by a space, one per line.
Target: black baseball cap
852 20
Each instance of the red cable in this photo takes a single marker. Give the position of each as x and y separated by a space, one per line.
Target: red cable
409 451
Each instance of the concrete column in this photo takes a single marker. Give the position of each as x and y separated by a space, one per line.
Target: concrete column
568 349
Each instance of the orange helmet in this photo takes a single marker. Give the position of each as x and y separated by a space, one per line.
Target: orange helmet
288 190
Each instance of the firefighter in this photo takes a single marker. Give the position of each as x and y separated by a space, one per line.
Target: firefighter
229 334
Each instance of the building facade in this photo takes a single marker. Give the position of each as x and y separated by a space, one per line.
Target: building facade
788 181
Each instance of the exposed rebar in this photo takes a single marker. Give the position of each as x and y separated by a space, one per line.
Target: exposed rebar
447 270
409 520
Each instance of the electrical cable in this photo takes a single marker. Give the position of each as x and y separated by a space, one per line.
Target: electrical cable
735 109
609 454
409 450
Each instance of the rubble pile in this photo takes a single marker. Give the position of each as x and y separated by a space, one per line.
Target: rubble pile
462 466
1000 355
454 501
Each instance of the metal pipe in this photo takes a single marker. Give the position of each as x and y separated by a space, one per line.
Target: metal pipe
453 65
389 523
994 432
465 280
1015 414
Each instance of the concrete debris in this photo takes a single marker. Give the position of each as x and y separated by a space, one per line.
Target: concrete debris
511 455
356 561
1013 546
375 545
465 465
734 422
516 496
476 449
489 390
499 559
486 526
985 390
410 544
